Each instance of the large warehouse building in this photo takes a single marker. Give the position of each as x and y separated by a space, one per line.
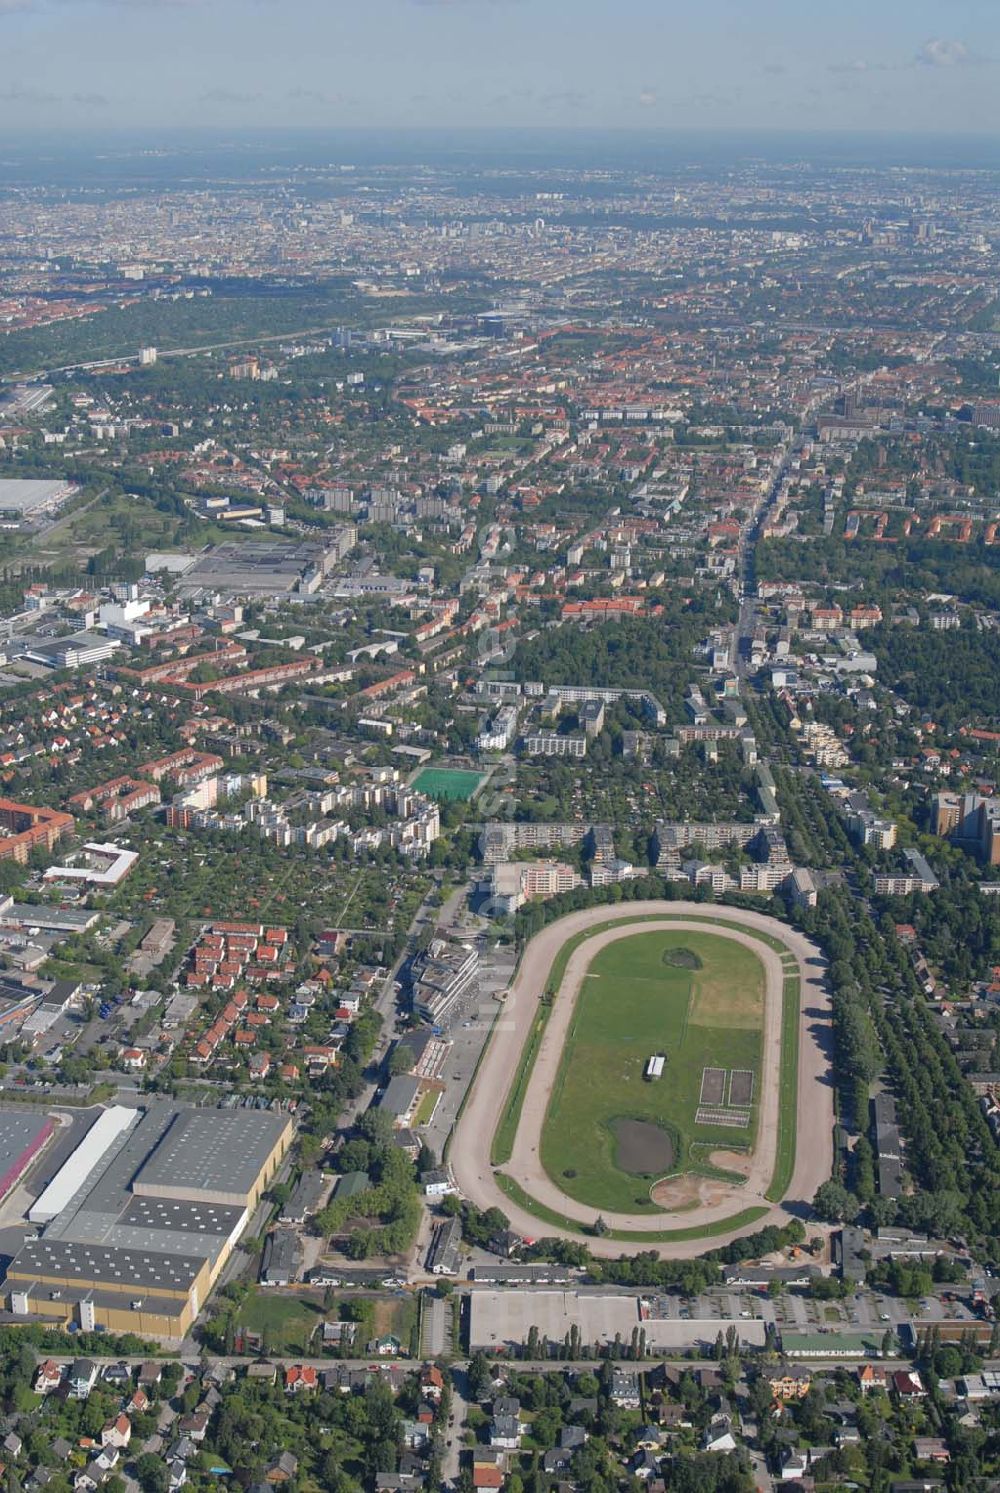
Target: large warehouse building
23 1137
211 1156
501 1321
21 498
71 1176
149 1210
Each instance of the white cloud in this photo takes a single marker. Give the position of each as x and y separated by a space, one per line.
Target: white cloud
943 52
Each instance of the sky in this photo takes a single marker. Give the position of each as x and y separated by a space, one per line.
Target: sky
910 66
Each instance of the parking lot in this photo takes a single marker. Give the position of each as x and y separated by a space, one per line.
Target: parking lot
796 1311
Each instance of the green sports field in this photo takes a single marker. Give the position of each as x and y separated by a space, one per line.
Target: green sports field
697 998
447 782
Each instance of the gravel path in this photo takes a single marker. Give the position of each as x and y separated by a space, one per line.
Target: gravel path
470 1149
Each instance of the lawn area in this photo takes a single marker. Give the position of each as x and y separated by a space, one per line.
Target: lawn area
131 523
742 1220
442 783
784 1161
503 1138
698 998
425 1109
287 1321
396 1315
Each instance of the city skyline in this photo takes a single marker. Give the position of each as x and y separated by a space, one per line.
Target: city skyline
930 67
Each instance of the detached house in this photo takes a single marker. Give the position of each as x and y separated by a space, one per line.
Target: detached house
299 1377
117 1432
48 1377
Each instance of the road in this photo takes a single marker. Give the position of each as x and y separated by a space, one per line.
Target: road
525 1366
470 1149
451 1460
747 577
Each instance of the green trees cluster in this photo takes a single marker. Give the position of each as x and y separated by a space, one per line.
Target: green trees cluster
341 1440
815 831
959 930
955 676
879 1008
912 565
632 653
389 1208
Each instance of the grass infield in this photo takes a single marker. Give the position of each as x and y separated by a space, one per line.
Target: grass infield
634 1001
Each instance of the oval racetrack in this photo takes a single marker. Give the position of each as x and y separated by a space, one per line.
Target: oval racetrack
473 1137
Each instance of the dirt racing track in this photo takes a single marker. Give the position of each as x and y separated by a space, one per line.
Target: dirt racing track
690 1203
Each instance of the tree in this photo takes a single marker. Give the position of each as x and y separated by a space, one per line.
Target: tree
479 1375
152 1474
834 1203
309 1148
376 1125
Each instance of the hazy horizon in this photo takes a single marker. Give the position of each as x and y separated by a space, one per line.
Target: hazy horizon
920 67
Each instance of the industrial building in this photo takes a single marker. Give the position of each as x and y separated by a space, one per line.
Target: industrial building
215 1156
502 1320
19 997
74 1172
77 651
24 497
23 1137
143 1217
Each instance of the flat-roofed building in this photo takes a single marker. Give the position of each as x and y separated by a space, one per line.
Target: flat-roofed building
109 1126
441 977
123 1290
502 1319
553 744
25 497
147 1221
96 865
216 1156
23 1137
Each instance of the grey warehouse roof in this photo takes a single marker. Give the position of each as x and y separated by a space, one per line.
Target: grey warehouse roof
18 1130
211 1151
88 1262
177 1216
